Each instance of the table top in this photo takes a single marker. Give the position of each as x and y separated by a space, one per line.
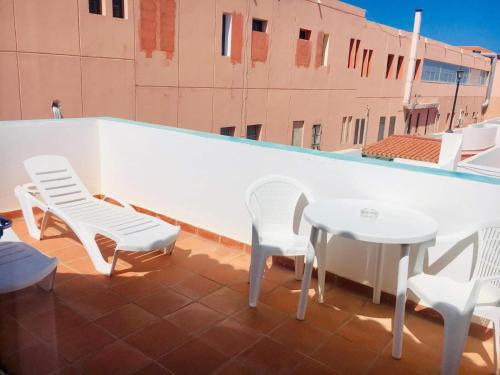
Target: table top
371 221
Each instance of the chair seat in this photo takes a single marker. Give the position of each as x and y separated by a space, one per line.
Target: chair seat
21 265
290 244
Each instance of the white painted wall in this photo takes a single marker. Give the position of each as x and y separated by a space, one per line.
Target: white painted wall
202 181
77 139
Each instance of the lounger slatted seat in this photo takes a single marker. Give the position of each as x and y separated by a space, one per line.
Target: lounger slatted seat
65 196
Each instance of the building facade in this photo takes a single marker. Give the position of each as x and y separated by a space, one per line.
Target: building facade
302 72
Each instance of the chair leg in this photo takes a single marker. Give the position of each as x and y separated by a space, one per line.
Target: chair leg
321 260
168 250
88 241
113 262
306 279
47 284
258 265
27 209
45 221
456 330
299 267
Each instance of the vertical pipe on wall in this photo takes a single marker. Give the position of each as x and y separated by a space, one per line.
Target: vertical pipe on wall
413 56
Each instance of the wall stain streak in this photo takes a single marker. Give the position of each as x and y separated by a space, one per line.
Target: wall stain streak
236 38
147 29
260 45
167 27
303 53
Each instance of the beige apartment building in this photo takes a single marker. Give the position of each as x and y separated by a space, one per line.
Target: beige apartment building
305 72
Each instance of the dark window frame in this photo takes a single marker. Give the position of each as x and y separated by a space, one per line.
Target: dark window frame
118 8
254 131
95 7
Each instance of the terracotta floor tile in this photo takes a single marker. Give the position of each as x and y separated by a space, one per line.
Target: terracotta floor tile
195 244
196 287
300 336
225 300
77 287
48 324
224 273
385 364
125 320
230 337
235 367
69 254
194 317
279 274
193 358
366 332
39 360
326 317
268 357
345 299
163 303
170 275
243 286
13 337
478 353
137 288
309 367
96 305
158 338
50 243
77 342
144 261
153 369
345 356
117 358
283 299
262 318
28 303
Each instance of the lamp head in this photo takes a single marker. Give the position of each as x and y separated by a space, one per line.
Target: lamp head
460 75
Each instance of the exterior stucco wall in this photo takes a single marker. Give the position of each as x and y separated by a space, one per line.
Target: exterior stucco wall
162 63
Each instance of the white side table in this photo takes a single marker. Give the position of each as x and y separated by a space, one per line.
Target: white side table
369 221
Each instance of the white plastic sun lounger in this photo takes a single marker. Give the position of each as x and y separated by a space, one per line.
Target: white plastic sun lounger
22 265
65 196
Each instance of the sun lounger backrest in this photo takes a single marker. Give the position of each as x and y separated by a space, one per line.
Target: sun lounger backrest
56 180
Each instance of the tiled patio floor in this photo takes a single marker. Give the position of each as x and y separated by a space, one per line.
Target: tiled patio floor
187 314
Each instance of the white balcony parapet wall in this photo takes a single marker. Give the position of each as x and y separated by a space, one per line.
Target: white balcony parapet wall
77 139
201 179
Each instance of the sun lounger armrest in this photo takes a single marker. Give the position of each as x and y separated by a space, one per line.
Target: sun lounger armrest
121 201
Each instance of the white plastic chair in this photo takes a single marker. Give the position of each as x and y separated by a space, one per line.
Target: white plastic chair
275 204
66 197
457 301
22 265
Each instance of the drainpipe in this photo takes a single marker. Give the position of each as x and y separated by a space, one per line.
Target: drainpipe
413 56
494 58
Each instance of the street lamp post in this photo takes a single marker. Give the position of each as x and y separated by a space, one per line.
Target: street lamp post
460 74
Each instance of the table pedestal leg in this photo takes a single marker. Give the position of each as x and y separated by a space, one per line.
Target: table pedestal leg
321 258
399 314
377 277
306 278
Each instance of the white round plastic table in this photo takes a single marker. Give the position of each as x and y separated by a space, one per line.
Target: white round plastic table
370 221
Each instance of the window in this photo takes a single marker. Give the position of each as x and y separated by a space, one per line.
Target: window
359 131
436 71
304 34
297 133
95 6
408 123
447 119
228 131
226 34
353 53
259 25
392 125
349 59
356 53
366 62
316 136
388 69
118 9
346 129
363 63
381 128
416 74
324 53
399 68
253 132
418 122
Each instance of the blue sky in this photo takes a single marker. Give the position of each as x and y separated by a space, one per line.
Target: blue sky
457 22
